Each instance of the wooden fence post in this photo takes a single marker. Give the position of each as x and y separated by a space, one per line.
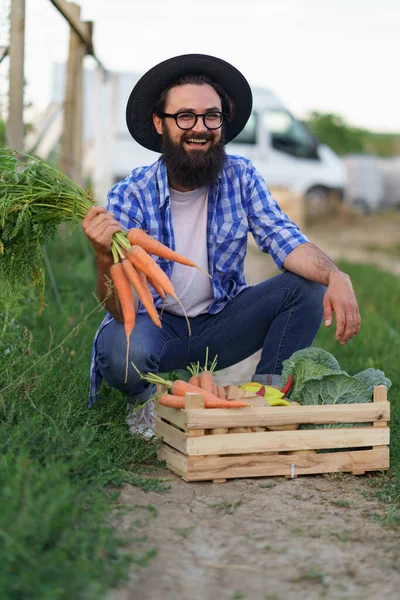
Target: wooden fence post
72 138
15 122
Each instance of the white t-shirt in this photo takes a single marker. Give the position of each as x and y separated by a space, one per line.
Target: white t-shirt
189 221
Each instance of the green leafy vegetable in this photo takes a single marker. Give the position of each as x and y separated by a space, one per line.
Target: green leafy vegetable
182 374
313 361
372 377
317 380
334 388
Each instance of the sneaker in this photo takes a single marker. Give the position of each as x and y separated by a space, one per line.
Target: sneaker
141 420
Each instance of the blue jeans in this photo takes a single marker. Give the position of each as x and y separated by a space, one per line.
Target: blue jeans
279 315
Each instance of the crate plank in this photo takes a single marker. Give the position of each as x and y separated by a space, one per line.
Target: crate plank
285 415
380 395
171 435
173 415
280 441
258 465
176 461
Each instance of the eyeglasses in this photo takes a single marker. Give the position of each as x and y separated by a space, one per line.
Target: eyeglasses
187 120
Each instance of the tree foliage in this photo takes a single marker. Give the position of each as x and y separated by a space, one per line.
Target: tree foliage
332 129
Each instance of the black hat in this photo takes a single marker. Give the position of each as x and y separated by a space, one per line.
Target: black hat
140 107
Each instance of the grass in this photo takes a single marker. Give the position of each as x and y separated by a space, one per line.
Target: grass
315 574
392 249
378 346
227 508
61 465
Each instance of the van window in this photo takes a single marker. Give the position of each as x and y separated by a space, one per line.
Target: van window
289 135
249 134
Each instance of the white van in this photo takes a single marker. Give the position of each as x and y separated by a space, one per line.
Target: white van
287 154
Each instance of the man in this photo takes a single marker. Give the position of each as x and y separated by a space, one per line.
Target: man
202 203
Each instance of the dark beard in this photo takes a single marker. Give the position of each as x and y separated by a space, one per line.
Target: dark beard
191 170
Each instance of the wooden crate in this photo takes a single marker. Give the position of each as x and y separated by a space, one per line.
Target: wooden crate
191 451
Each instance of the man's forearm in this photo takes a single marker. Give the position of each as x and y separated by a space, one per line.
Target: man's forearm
308 261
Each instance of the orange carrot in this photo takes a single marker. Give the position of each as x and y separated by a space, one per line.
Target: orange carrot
207 383
221 392
143 261
174 401
139 282
140 238
180 388
206 378
194 380
157 287
125 297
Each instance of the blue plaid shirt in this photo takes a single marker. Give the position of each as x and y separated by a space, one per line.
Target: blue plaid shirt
239 203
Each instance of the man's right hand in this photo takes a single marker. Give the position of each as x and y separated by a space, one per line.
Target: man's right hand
99 226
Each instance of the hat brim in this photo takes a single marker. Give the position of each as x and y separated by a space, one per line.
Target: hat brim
139 110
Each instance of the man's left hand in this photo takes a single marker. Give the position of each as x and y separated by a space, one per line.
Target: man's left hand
340 298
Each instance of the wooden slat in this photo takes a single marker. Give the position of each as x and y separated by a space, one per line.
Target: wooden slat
172 436
284 415
80 28
380 395
176 415
280 441
176 461
173 415
194 401
256 465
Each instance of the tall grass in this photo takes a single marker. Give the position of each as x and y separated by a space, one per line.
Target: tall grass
60 463
378 346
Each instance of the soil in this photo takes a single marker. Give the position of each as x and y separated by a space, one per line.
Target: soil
270 538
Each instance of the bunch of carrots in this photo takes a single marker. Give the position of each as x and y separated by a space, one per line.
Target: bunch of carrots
179 388
202 377
200 382
134 266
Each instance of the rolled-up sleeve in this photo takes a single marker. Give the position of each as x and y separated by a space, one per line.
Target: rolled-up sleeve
273 231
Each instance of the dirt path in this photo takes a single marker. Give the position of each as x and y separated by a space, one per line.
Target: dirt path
262 539
269 538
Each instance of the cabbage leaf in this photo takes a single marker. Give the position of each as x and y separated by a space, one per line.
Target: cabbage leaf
372 377
318 380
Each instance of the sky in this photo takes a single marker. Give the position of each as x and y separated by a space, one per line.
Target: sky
340 56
